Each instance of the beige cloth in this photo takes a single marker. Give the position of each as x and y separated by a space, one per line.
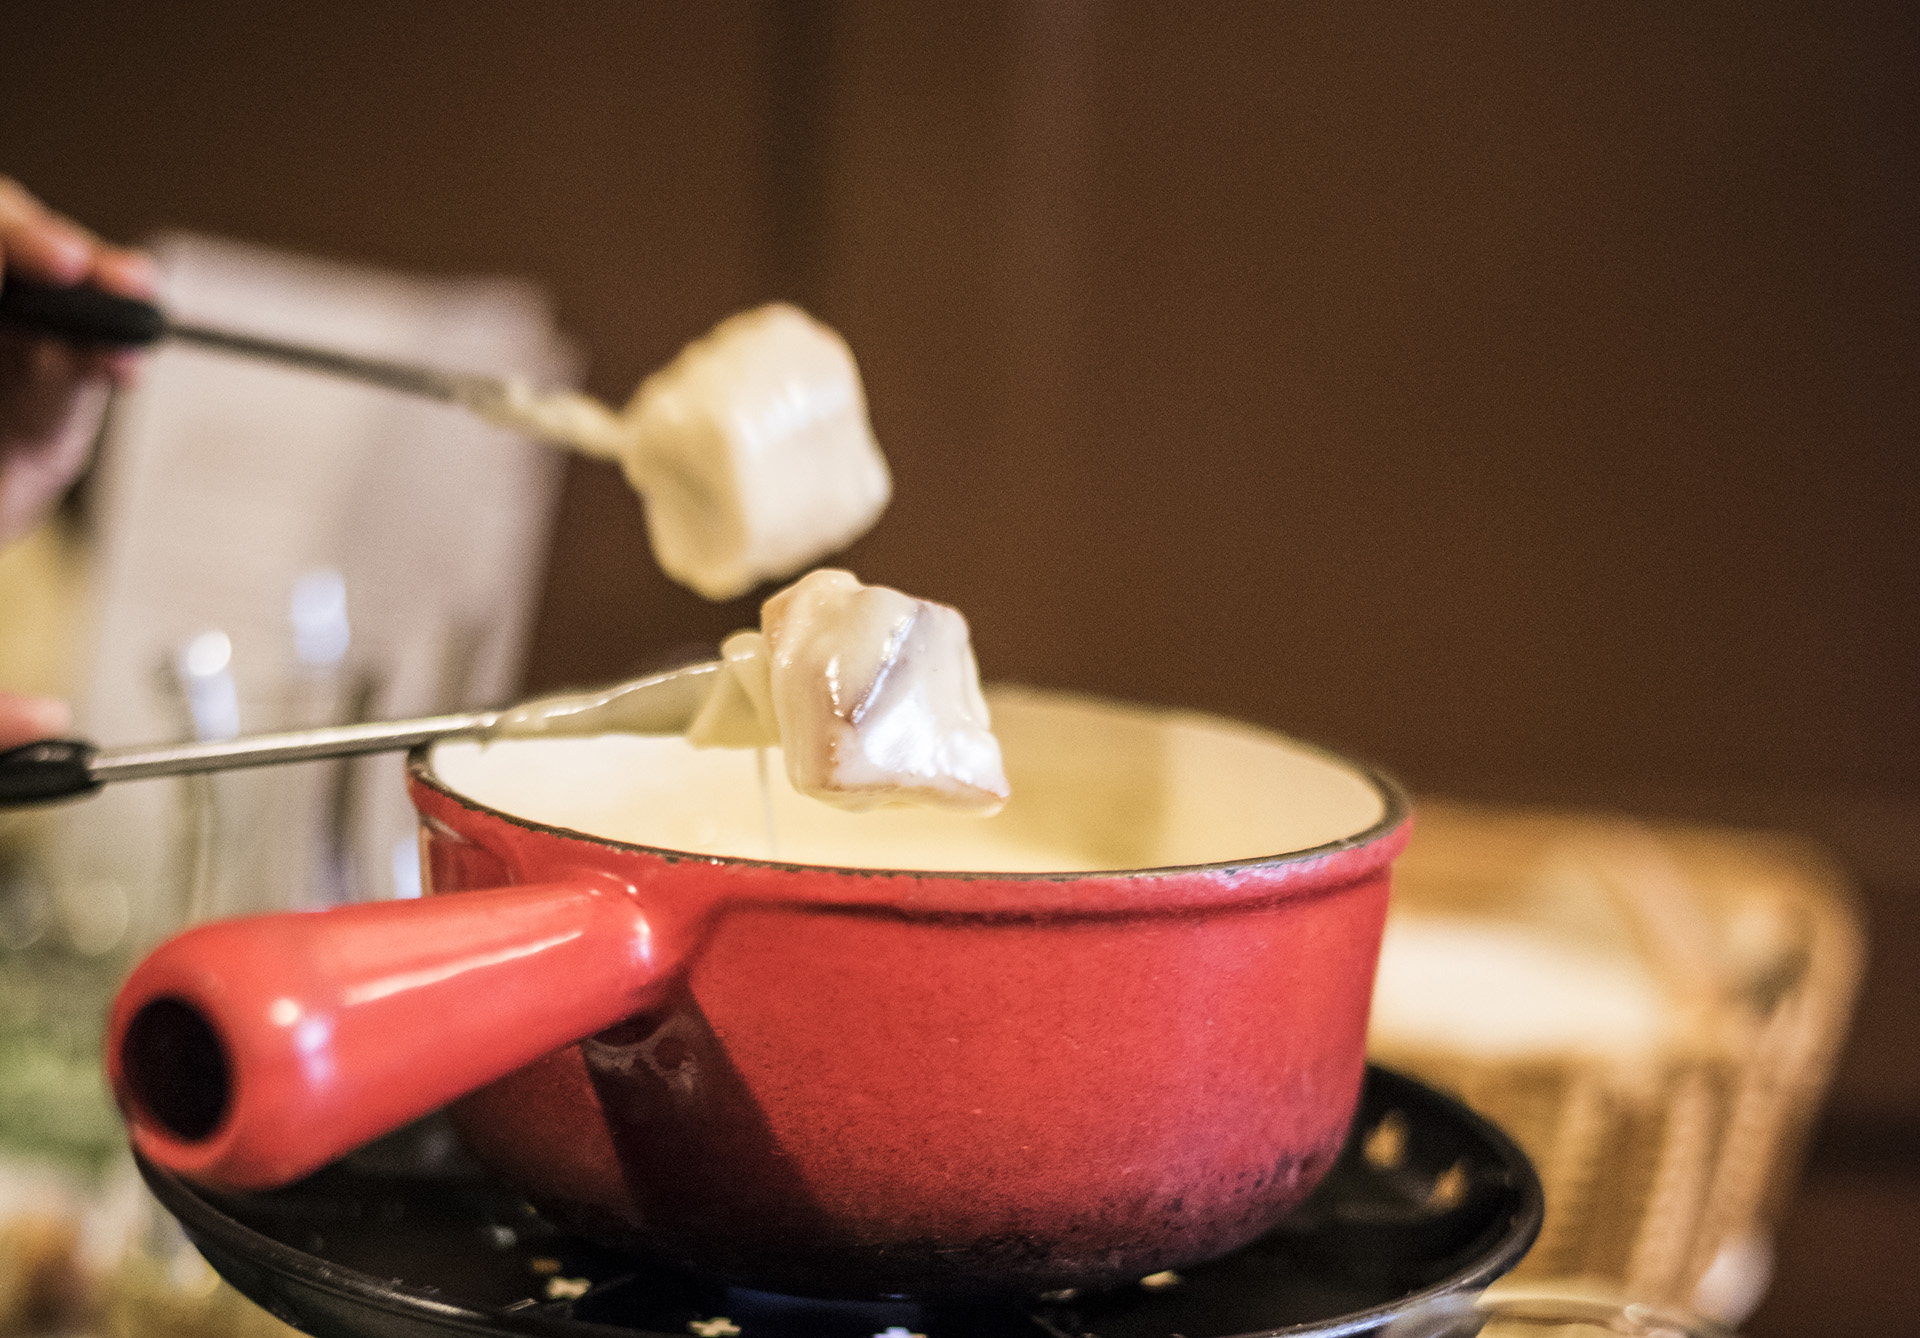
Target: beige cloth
224 479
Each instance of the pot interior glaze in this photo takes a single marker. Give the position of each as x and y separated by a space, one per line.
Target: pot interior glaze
1117 1028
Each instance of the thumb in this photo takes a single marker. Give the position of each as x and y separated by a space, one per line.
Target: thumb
24 719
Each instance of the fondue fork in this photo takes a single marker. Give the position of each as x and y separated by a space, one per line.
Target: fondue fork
53 769
94 318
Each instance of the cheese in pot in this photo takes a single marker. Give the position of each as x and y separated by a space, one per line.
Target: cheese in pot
662 791
1094 785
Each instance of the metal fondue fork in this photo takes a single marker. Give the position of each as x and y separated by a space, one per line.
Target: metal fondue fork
52 769
90 316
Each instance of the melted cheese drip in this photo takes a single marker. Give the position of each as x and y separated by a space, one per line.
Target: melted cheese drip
563 416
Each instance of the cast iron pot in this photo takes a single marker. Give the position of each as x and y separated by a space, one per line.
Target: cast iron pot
832 1080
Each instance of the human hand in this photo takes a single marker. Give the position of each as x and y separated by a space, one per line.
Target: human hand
51 393
24 719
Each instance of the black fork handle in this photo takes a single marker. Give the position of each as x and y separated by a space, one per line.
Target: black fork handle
49 770
80 314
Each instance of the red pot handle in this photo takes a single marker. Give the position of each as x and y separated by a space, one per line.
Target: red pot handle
251 1052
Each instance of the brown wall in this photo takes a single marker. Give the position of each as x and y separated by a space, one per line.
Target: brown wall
1522 396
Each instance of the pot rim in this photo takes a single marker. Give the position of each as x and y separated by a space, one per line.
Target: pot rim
1395 812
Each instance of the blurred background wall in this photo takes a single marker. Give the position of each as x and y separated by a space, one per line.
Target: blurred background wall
1520 396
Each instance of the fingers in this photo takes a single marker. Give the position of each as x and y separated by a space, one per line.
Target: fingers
118 270
43 245
26 719
39 243
51 393
39 379
51 399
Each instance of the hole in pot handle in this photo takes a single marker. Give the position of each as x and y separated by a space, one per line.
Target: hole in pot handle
250 1052
176 1069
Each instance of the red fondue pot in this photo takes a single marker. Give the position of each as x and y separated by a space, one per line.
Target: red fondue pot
818 1079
